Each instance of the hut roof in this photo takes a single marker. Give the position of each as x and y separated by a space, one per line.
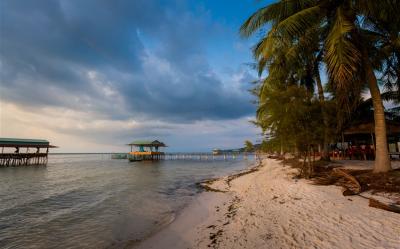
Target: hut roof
19 142
393 127
147 143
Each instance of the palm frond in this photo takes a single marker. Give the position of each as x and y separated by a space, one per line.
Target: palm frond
342 56
260 18
297 23
273 14
391 96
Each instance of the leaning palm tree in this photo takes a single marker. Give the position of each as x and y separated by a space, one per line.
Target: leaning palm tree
352 40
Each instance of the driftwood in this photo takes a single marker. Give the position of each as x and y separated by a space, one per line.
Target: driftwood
356 188
388 207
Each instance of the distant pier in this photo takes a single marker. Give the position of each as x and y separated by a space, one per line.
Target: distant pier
207 156
18 152
150 151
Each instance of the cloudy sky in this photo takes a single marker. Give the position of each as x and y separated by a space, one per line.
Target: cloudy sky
90 76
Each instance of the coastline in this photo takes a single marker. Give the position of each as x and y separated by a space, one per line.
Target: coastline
267 208
180 232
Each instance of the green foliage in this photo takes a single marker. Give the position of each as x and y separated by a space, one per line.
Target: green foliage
351 33
347 37
292 117
248 146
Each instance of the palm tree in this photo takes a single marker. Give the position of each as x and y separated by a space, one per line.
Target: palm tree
305 50
287 89
354 33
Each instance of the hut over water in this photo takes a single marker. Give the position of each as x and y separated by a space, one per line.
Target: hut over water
147 150
16 151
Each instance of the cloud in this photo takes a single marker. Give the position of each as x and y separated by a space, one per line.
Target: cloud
76 131
92 75
118 60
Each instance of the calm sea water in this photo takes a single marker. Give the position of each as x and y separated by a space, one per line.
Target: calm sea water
92 201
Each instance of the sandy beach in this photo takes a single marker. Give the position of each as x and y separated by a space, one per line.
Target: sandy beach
267 208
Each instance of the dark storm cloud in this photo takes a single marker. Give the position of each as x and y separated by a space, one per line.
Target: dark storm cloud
120 59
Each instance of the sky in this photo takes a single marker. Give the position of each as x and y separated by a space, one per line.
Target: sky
93 75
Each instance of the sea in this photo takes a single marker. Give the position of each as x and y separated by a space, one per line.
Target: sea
93 201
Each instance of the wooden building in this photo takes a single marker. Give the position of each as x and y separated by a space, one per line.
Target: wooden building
146 150
16 151
360 139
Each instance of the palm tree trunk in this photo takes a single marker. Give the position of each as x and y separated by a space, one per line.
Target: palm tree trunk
382 161
325 149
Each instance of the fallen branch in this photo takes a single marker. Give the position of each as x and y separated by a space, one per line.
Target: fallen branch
388 207
356 185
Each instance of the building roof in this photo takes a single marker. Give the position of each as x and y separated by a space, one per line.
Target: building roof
19 142
392 128
147 143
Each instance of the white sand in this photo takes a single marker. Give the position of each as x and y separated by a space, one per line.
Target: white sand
269 209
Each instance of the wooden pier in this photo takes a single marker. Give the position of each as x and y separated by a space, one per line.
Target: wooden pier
149 151
207 156
146 156
18 152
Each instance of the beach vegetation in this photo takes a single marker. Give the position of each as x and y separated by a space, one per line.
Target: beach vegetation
356 44
248 146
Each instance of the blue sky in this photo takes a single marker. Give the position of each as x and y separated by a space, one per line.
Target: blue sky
94 75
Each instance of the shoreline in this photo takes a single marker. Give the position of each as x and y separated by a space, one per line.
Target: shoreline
184 219
204 195
267 208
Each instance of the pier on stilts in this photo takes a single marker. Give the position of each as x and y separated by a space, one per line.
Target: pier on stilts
150 151
147 151
18 152
208 156
156 156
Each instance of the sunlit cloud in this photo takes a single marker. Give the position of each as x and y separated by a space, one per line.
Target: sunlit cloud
99 74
